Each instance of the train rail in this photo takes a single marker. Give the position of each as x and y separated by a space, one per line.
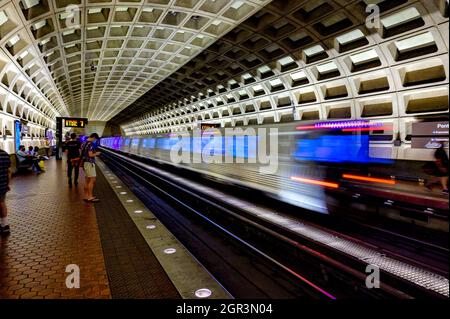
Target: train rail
340 262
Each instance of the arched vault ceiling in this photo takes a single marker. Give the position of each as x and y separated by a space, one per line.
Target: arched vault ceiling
119 50
301 37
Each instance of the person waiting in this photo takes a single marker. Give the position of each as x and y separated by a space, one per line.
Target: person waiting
73 158
5 178
88 154
26 158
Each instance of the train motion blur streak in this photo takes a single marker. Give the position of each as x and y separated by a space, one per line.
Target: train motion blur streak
310 158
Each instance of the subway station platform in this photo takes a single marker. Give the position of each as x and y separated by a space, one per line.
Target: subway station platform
119 246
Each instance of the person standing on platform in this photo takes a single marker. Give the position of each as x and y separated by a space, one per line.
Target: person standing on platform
88 155
73 158
5 177
47 147
441 160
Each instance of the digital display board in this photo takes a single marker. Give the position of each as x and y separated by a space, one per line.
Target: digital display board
75 123
208 126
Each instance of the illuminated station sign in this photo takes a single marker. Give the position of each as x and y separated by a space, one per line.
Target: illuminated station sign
75 123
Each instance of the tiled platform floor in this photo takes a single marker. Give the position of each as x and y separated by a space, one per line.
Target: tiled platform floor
51 227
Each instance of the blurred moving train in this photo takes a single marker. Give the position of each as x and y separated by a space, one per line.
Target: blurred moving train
298 163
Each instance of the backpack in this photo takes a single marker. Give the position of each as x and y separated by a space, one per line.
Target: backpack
83 154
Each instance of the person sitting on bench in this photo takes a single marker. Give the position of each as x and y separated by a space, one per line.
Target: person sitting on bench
25 158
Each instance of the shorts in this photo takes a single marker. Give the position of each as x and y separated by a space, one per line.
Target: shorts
89 170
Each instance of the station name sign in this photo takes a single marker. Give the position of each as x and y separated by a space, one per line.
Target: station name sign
75 122
430 134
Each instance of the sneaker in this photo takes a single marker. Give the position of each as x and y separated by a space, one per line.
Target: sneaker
4 229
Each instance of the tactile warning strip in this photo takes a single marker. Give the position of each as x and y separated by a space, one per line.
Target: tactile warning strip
183 270
133 270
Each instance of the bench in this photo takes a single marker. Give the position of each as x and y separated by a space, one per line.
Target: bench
16 165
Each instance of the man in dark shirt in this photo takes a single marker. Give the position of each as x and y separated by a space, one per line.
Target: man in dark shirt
5 176
73 158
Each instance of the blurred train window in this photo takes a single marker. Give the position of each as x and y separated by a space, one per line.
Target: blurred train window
241 146
334 146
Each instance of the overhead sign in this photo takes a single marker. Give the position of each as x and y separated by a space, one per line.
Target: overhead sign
75 122
430 134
